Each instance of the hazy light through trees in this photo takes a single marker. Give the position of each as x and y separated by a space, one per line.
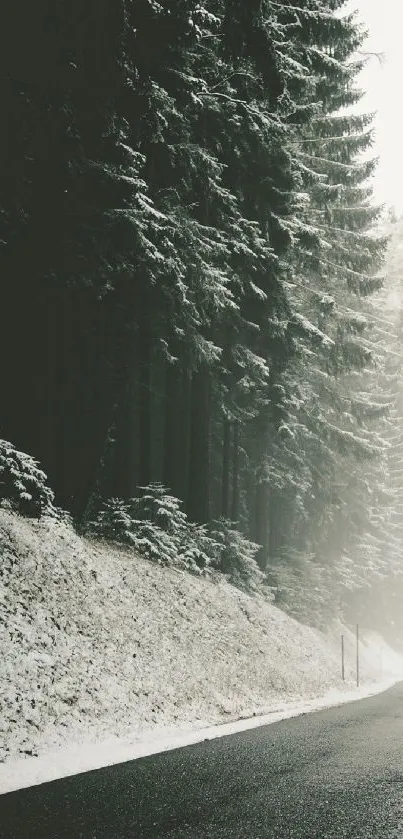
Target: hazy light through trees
382 79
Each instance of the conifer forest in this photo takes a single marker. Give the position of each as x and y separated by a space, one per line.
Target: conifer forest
197 283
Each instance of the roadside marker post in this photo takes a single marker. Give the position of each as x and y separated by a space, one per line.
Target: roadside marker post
342 658
357 637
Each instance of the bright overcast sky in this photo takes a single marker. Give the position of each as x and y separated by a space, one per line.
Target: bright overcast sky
384 85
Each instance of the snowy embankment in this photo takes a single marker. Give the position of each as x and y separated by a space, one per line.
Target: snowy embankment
106 657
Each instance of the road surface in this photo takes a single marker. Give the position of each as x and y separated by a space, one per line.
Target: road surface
335 774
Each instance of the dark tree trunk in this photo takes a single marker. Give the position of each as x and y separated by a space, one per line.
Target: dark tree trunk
184 423
108 382
235 475
176 430
198 494
277 523
226 461
122 481
172 429
145 400
87 400
261 529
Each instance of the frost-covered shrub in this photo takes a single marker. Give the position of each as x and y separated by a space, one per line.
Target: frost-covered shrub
113 521
23 486
155 526
157 506
236 557
198 549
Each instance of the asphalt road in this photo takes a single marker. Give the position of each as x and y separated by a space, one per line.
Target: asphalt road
335 774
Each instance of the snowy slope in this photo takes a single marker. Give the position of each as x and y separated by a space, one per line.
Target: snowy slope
97 643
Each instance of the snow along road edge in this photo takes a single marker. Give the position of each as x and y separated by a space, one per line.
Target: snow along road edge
86 757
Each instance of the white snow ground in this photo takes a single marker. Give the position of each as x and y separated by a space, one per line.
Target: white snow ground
107 657
85 757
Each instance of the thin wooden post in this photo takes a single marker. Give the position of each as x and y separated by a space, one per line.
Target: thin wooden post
342 658
357 636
